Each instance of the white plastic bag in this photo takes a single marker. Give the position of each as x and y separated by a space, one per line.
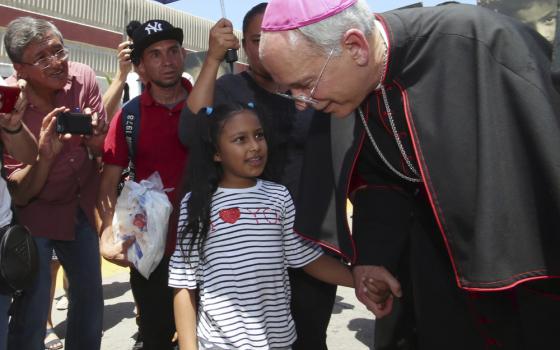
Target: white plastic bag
143 211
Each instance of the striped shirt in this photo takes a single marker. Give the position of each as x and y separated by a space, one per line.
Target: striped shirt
243 282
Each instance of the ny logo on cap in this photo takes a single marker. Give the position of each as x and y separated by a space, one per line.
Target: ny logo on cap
155 27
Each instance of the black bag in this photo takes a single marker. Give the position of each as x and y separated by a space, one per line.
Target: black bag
18 259
18 253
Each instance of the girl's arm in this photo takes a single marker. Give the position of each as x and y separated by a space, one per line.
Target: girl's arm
184 306
330 270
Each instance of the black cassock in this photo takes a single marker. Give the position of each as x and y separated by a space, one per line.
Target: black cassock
474 91
474 101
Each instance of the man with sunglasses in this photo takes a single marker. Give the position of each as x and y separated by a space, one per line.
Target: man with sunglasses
56 195
446 138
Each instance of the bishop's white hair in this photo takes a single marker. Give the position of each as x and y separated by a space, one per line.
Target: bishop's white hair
328 33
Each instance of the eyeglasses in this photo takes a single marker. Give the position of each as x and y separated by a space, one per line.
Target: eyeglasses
309 99
46 62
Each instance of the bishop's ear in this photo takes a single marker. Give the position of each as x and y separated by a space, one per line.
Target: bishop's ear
356 44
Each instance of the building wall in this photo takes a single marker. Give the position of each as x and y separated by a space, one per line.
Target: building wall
93 28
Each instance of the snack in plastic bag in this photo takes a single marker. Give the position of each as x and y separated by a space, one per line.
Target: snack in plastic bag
142 211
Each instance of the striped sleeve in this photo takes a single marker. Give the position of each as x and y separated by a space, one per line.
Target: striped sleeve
298 251
182 269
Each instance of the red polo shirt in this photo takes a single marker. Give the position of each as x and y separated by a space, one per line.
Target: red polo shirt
158 149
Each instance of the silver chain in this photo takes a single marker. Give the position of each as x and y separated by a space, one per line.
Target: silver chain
370 136
416 179
396 133
393 127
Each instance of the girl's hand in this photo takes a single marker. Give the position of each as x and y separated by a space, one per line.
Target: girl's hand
375 287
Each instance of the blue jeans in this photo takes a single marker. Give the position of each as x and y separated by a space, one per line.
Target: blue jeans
81 262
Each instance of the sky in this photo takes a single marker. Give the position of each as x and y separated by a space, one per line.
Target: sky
236 9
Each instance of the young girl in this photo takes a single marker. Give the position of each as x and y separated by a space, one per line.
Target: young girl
236 241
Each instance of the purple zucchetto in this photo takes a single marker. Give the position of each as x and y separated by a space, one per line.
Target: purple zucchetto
292 14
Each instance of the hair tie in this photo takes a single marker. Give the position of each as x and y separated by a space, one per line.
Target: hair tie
251 105
209 110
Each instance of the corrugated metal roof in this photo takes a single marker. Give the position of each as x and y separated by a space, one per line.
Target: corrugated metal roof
113 15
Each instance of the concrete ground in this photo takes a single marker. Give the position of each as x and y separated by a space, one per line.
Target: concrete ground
351 326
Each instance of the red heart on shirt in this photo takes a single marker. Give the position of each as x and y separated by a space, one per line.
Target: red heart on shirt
230 215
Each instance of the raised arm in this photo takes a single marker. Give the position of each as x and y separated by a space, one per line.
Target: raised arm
113 96
204 90
221 39
29 181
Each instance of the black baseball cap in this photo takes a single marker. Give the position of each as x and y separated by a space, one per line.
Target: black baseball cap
151 32
131 27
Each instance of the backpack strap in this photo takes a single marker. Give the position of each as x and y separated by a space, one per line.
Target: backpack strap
130 119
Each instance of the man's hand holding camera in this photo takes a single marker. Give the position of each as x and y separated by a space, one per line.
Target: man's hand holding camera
51 142
94 142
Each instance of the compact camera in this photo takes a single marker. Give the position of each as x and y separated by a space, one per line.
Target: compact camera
74 123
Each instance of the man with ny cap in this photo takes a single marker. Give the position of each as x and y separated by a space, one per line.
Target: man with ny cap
158 57
445 139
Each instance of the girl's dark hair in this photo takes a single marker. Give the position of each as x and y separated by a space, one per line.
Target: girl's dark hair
203 173
256 10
